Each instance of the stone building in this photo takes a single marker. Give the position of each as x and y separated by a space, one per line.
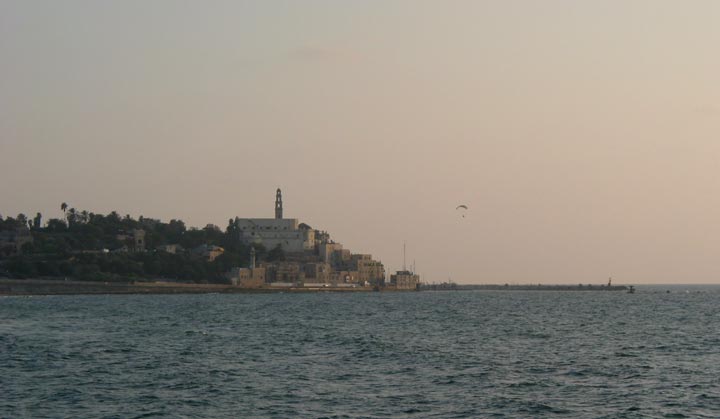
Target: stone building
285 272
278 231
310 255
247 277
369 271
134 241
250 277
318 272
405 280
345 277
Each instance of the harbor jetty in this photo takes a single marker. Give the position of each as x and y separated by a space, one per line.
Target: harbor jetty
70 287
61 287
507 287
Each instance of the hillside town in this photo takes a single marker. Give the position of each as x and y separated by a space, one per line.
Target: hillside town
252 253
312 258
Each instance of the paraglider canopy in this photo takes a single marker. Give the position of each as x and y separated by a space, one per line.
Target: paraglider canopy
461 206
462 209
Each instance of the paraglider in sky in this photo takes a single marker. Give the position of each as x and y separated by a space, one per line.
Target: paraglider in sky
462 209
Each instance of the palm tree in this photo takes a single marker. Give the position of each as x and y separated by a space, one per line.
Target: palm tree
63 206
72 216
22 219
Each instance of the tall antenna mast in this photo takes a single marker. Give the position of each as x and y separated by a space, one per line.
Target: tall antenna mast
404 267
278 205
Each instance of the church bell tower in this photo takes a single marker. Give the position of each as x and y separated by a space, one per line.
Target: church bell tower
278 205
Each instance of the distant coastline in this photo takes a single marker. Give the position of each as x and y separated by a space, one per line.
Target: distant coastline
508 287
259 253
20 287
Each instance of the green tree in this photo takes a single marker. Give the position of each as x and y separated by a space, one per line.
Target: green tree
37 221
72 217
21 267
276 254
22 220
55 225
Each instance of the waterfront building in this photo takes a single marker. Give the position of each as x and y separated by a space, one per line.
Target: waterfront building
345 277
310 255
318 272
405 280
369 271
285 272
250 277
247 277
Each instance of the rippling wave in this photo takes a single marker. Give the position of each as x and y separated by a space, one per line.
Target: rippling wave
376 355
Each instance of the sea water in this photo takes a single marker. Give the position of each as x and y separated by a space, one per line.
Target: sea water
462 354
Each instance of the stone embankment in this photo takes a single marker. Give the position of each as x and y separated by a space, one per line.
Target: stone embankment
494 287
61 287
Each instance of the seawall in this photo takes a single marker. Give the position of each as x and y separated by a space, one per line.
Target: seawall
60 287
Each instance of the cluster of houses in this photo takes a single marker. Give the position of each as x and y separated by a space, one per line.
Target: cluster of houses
312 259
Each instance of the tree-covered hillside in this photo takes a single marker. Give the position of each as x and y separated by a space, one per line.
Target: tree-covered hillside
90 246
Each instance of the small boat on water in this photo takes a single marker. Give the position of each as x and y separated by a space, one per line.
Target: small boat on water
631 289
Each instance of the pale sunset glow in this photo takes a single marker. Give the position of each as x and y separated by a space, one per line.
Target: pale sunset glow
583 137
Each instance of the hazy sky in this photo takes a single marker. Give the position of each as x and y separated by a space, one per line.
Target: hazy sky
583 135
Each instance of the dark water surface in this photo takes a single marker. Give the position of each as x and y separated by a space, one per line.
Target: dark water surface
379 355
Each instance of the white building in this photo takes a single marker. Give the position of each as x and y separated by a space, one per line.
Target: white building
271 232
